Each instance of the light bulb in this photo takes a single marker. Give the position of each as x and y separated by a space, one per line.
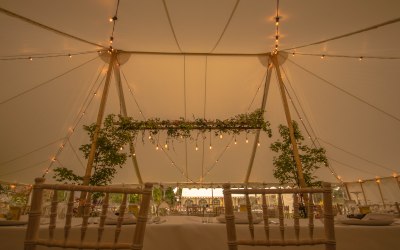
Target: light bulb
157 147
235 142
30 58
197 148
166 145
149 137
293 54
110 19
69 55
220 136
360 58
121 148
258 144
277 21
210 147
247 140
322 56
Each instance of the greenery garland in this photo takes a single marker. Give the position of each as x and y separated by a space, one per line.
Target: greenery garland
182 128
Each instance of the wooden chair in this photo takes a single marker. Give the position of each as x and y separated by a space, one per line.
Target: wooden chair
328 240
32 238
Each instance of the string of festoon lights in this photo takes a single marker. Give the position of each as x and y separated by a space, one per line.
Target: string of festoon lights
32 57
309 136
113 20
277 19
89 98
359 58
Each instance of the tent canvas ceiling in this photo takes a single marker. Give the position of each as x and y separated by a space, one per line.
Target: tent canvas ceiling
39 104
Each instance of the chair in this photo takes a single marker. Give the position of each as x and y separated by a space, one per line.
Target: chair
33 239
328 240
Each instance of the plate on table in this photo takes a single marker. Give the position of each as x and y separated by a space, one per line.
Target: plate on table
241 218
367 222
12 223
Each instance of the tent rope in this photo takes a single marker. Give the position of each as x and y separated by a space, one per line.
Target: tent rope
348 34
30 152
133 95
30 21
171 26
78 118
226 26
348 56
355 155
258 90
22 169
349 166
204 116
45 82
42 56
76 154
345 91
331 169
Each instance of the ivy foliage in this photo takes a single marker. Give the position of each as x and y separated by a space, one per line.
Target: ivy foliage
285 170
108 155
182 128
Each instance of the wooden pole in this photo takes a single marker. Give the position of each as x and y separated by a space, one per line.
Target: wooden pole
124 113
257 137
398 183
302 182
99 121
362 189
378 182
347 191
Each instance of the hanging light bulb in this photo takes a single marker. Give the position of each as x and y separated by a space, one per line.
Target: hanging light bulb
235 141
210 147
111 39
276 38
157 147
166 145
111 19
220 136
322 56
277 20
149 137
121 148
30 58
360 59
293 54
197 148
247 140
69 55
258 144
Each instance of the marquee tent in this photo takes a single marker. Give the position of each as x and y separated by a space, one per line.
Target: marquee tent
201 59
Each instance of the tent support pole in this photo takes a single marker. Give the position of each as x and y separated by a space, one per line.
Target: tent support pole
363 192
347 191
380 192
257 137
398 183
302 182
124 113
99 120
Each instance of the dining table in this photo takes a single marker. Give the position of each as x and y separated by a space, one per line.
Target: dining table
199 233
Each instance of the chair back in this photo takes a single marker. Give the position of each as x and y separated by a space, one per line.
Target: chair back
282 240
33 238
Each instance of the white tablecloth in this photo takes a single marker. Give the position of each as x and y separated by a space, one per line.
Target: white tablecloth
189 233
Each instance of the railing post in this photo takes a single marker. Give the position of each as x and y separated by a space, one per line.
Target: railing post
34 215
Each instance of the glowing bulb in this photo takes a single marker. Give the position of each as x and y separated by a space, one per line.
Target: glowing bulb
220 136
111 39
322 56
394 175
30 58
134 154
378 181
157 147
95 93
149 137
360 58
277 21
247 140
235 142
69 55
210 147
166 145
293 54
197 148
110 19
276 38
359 180
258 144
121 148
